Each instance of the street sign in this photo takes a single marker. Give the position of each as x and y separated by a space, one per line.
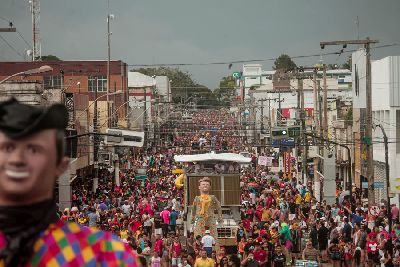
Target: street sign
294 131
265 161
117 137
379 185
279 133
237 75
364 185
367 140
283 142
141 177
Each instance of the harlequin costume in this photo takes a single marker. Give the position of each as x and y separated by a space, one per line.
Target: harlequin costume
32 234
203 215
70 244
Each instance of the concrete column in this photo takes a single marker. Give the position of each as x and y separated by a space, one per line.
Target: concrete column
116 169
95 184
64 189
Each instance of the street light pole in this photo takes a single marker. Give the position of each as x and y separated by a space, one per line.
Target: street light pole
95 142
349 169
388 212
109 17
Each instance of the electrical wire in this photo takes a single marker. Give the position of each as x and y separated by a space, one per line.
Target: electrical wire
9 45
5 19
20 35
254 60
237 61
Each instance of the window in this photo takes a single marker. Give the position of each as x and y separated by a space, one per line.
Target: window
98 83
55 82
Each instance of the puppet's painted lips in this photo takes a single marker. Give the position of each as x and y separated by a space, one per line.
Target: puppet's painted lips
17 174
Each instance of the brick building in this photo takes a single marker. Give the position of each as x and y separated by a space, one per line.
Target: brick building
79 81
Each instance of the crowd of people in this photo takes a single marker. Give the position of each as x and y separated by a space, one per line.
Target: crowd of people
281 215
281 221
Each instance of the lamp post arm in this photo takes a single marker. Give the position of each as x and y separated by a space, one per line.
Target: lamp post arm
86 109
11 76
348 155
387 169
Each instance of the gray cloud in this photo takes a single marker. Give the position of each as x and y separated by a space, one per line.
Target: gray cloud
187 31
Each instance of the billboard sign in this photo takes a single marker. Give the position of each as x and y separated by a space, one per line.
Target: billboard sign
119 137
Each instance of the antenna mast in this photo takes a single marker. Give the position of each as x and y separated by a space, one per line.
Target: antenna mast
35 11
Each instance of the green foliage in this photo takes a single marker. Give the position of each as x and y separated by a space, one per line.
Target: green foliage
225 91
50 58
333 66
349 117
284 62
183 86
347 64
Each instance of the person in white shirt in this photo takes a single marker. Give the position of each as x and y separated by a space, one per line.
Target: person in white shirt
155 260
173 203
208 242
184 263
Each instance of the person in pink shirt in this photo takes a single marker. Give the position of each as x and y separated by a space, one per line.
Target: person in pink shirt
158 246
165 219
395 213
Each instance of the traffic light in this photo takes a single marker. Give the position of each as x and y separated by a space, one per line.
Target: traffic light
279 133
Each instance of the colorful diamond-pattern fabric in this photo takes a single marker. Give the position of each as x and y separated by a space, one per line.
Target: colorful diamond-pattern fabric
70 244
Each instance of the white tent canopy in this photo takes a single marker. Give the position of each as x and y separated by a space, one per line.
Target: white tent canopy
212 157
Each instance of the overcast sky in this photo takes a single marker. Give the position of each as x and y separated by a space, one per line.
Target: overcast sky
188 31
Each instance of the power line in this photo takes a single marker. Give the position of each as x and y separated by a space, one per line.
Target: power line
9 45
253 60
9 21
20 35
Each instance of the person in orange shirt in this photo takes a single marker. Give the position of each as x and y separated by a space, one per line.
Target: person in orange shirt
241 245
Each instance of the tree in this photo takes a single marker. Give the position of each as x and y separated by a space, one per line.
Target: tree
225 91
50 58
182 84
284 62
347 64
333 66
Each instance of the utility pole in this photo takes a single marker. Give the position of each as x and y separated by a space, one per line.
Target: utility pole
253 114
320 107
269 113
368 122
368 130
325 131
279 115
95 142
145 116
304 173
316 112
262 114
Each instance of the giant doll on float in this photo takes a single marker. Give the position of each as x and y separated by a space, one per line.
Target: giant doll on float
203 210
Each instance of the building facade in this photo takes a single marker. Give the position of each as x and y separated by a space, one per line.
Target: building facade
386 112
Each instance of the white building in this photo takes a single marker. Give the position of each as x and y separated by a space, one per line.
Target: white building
386 112
141 90
338 86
